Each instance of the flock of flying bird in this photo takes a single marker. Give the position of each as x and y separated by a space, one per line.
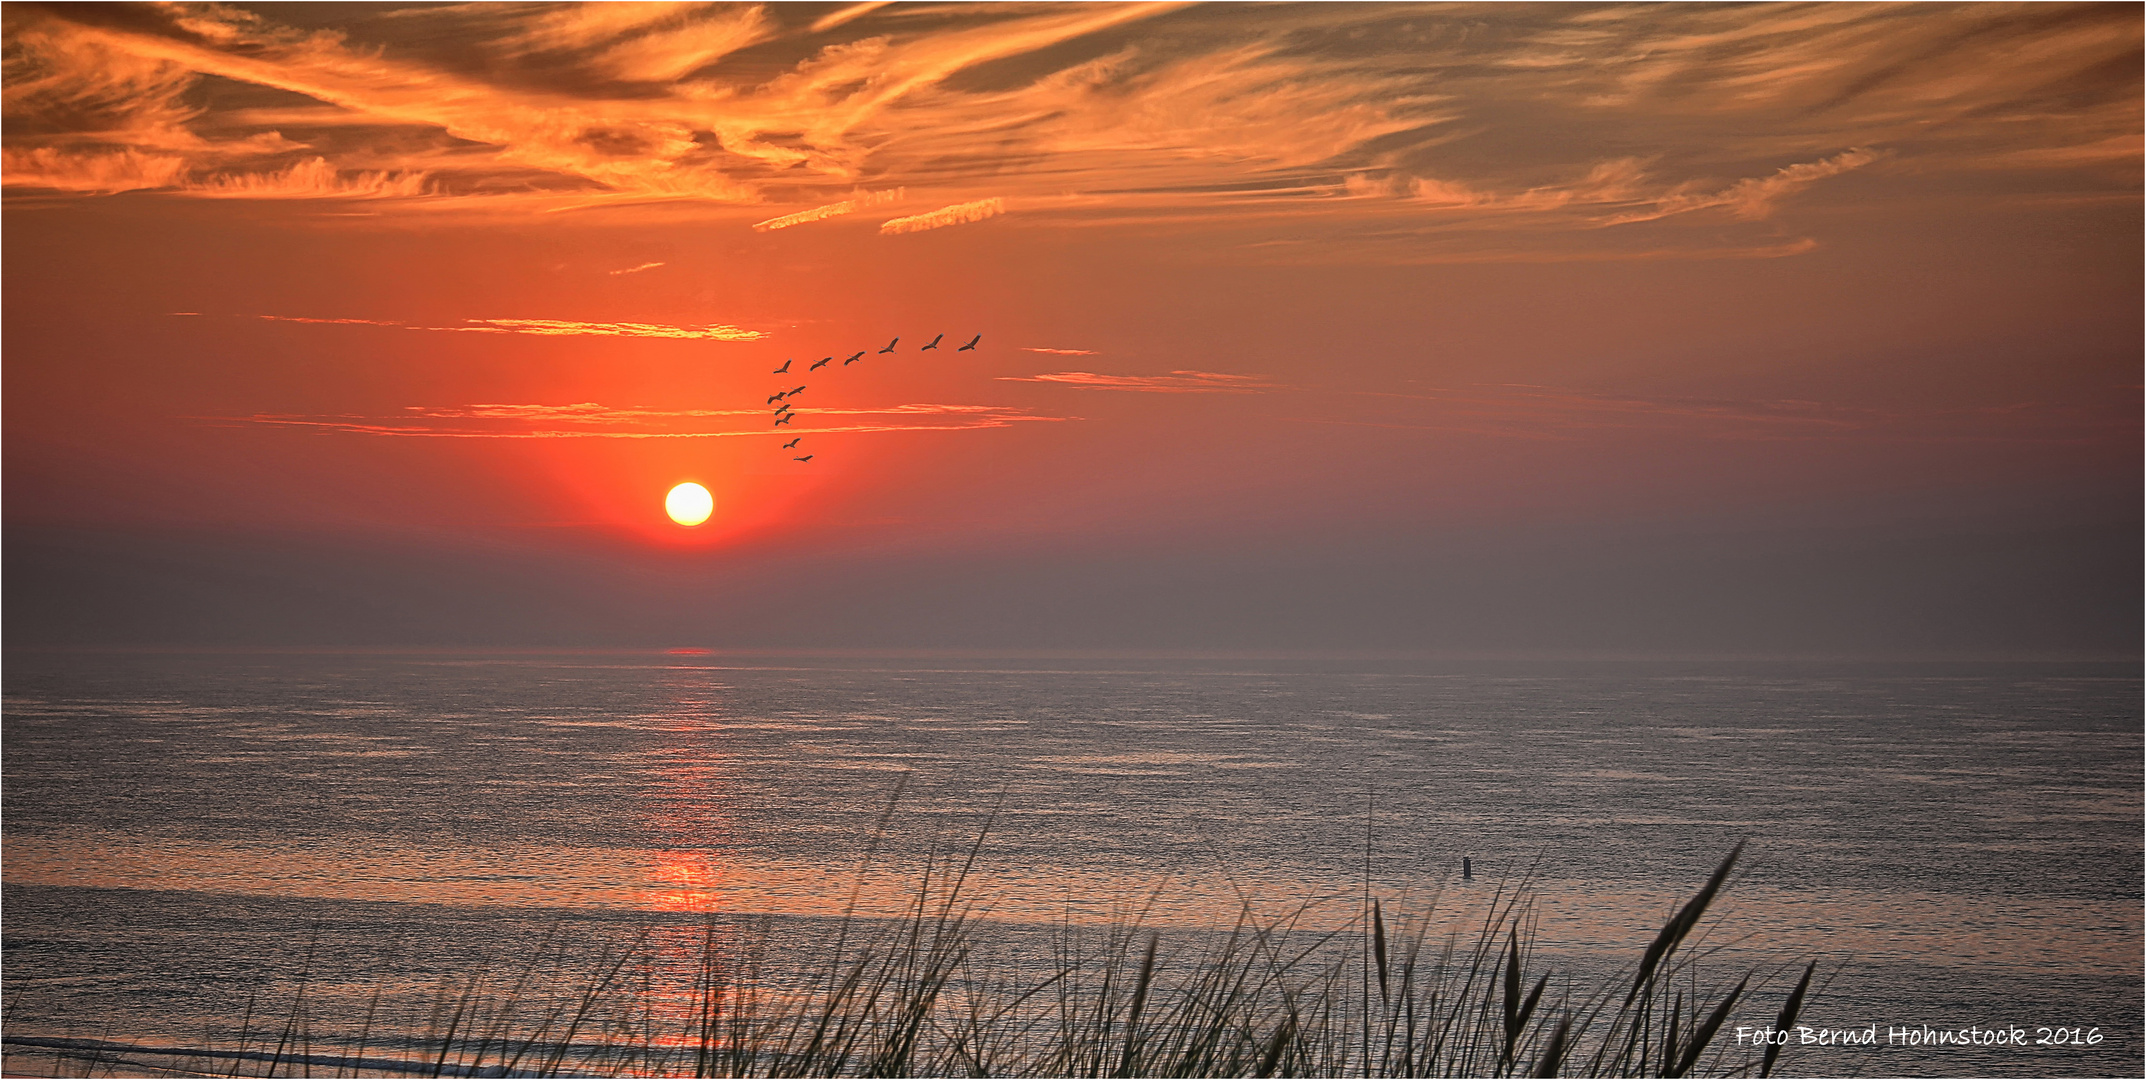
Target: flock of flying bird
784 414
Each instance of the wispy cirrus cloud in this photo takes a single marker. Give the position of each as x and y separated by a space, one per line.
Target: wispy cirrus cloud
1621 192
831 210
957 214
91 172
1176 382
636 269
572 328
553 327
1059 352
592 420
312 179
847 14
699 35
576 28
1391 125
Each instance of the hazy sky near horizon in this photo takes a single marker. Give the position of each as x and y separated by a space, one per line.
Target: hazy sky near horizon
1500 329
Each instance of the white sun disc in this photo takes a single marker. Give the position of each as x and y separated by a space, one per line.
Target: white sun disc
689 504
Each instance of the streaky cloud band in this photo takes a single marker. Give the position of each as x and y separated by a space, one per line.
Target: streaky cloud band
1177 382
553 327
957 214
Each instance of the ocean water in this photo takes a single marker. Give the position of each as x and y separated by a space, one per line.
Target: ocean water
188 836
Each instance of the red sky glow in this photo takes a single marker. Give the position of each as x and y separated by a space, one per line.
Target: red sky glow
1505 329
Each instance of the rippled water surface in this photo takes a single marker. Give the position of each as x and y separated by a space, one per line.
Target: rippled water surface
1958 843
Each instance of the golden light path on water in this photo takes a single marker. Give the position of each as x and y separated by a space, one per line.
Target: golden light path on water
1912 926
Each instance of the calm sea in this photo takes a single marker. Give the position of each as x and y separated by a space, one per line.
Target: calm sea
185 834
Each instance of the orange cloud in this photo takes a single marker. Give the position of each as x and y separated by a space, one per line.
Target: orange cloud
1621 192
1177 382
589 26
957 214
331 322
848 14
1060 352
636 269
1753 197
675 51
570 328
90 172
557 327
312 179
822 213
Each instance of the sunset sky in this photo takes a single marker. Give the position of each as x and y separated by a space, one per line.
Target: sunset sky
1500 330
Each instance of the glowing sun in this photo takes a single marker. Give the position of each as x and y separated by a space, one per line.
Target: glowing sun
689 504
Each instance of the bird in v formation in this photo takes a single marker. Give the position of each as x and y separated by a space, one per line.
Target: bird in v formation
784 413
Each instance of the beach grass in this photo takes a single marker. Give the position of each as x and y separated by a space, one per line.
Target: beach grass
1378 992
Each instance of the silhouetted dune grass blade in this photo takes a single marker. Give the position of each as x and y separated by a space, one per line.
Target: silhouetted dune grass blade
502 1023
1277 1046
1635 1050
590 999
1378 947
1705 1032
245 1024
1553 1055
1517 1010
1140 998
1790 1010
1516 1016
1686 917
465 1006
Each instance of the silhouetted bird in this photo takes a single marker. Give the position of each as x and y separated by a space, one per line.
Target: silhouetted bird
854 359
934 343
773 398
797 390
784 419
971 344
890 347
782 408
820 363
807 457
785 368
793 442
